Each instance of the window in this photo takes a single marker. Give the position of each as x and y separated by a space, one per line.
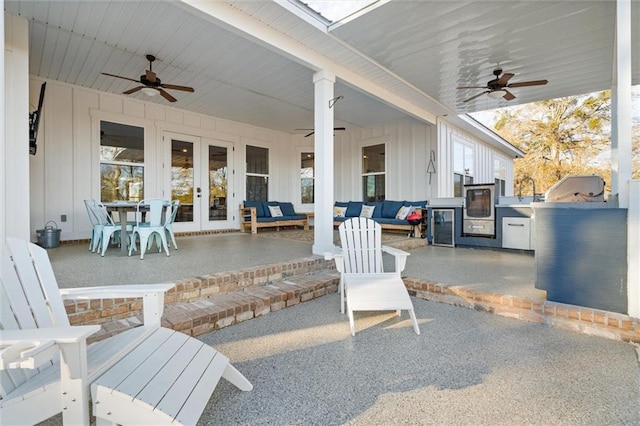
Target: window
463 160
373 173
500 175
257 173
307 177
121 162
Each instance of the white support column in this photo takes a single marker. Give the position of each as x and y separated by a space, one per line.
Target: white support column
3 169
15 147
633 250
323 146
621 106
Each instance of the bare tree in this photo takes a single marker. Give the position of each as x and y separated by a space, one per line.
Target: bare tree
560 137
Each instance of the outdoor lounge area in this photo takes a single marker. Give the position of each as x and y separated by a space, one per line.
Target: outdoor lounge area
464 367
470 317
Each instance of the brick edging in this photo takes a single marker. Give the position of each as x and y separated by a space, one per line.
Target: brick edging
590 321
186 290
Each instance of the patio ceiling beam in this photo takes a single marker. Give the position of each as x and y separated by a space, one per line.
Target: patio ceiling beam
226 16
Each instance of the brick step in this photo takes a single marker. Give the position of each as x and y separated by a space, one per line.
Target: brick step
225 309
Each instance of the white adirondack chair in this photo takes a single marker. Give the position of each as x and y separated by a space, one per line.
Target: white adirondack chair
364 284
46 367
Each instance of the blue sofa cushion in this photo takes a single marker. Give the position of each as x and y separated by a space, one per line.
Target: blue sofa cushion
292 217
257 205
340 219
267 219
354 208
390 221
377 212
421 204
390 208
287 209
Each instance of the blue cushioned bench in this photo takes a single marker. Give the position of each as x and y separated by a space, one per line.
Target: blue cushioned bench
257 214
384 212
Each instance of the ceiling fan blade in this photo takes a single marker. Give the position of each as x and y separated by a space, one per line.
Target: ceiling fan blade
505 78
313 131
119 76
167 96
134 90
528 83
508 95
471 87
174 87
476 96
151 76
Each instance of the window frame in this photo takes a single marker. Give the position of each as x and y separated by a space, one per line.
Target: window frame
100 162
300 177
500 175
466 175
253 174
363 173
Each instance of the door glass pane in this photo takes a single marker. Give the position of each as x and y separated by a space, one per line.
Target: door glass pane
182 178
121 162
218 183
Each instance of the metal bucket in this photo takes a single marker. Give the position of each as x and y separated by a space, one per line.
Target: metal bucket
49 237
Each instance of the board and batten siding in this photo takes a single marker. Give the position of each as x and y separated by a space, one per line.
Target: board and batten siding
408 146
65 170
483 159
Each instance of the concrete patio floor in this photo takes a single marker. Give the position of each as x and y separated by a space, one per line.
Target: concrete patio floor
504 272
466 367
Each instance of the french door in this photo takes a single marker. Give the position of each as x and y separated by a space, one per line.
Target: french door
200 176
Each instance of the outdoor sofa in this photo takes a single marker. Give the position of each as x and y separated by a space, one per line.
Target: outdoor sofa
391 215
270 214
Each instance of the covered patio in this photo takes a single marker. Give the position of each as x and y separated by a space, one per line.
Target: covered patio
467 366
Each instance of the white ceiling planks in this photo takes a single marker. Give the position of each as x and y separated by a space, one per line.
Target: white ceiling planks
415 50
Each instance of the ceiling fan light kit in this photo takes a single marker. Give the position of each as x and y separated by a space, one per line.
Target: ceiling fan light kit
497 88
150 91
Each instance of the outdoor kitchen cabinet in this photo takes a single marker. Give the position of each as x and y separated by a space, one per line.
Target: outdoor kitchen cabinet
517 233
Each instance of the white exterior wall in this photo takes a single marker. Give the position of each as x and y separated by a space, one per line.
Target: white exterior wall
408 146
484 155
65 170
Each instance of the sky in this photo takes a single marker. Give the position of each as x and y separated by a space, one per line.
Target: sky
335 10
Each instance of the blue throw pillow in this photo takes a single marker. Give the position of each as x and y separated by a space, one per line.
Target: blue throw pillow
287 209
354 208
377 212
257 205
390 208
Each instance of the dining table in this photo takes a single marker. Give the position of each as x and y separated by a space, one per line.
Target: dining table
122 207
